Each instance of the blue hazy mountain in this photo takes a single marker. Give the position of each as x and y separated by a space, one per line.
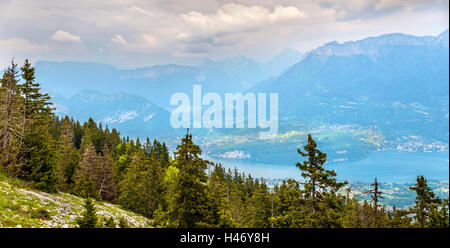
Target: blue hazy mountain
158 83
131 115
283 61
395 81
384 92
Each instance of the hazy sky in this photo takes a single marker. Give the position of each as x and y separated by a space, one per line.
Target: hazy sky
132 33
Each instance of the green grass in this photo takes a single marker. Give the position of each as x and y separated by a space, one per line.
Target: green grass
21 206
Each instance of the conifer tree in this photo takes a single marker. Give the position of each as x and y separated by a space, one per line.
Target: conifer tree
89 218
36 105
188 206
68 156
425 200
142 186
219 201
260 207
376 196
37 148
320 182
85 175
439 216
10 105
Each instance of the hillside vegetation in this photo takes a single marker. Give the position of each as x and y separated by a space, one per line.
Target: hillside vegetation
21 206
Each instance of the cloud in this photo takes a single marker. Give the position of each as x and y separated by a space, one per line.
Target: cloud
285 13
143 43
349 10
20 45
237 16
174 31
64 36
233 18
117 38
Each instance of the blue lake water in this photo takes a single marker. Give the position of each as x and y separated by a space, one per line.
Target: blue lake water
387 166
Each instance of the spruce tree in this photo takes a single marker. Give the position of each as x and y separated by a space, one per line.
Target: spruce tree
376 196
10 110
68 156
425 200
37 150
188 207
321 186
142 186
89 218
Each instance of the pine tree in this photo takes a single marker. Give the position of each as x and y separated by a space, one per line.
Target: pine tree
37 150
439 216
109 223
39 162
89 218
95 176
36 106
142 186
376 196
320 183
68 156
219 201
85 175
425 201
260 207
10 110
188 205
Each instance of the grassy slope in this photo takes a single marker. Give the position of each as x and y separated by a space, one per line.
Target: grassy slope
21 206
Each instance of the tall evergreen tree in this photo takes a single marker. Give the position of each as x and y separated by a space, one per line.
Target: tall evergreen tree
425 200
376 196
10 110
142 186
320 183
37 157
89 218
68 156
188 205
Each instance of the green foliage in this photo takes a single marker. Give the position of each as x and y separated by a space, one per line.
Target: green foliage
89 218
425 201
142 186
90 161
189 202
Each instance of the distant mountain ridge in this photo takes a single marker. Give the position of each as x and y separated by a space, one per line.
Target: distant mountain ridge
384 92
371 46
157 83
132 115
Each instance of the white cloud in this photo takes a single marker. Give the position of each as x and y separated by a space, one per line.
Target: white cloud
64 36
286 13
142 43
237 16
117 38
234 18
177 31
20 45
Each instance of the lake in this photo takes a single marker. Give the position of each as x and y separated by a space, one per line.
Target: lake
387 166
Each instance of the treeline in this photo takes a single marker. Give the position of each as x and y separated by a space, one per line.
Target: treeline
182 190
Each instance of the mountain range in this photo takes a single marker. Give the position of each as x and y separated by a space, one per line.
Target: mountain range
356 97
157 83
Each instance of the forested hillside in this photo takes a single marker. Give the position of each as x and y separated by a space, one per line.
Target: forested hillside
91 161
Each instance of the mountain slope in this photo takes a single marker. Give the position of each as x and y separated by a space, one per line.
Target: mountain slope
385 92
397 82
132 115
23 207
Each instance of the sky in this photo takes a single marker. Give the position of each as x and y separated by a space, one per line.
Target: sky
137 33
